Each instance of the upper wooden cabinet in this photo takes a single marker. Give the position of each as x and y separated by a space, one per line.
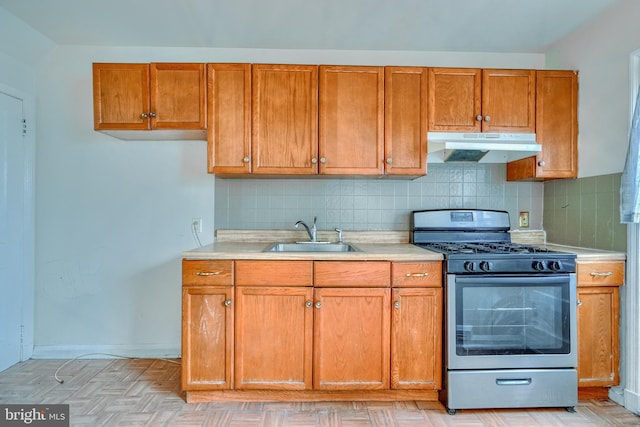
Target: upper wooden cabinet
476 100
405 120
157 96
270 119
556 130
229 111
351 120
285 119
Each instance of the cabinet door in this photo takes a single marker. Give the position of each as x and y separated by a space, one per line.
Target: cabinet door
178 96
351 338
229 118
120 96
405 125
351 120
454 99
274 337
508 100
207 337
416 338
556 129
598 336
285 119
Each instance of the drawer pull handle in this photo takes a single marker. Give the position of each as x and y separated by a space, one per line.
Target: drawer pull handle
607 274
513 381
227 302
417 274
207 273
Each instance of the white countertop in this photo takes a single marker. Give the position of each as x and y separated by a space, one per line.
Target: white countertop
392 246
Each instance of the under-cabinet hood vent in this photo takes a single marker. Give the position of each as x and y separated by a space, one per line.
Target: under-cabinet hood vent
480 147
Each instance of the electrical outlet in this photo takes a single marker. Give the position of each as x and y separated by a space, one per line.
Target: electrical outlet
196 223
524 219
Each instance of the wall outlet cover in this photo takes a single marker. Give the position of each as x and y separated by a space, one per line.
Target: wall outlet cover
524 219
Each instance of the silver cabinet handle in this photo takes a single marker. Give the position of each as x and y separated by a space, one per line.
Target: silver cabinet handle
541 163
314 160
389 160
318 304
579 302
323 160
396 304
152 114
417 274
246 159
207 273
227 302
308 304
144 115
479 117
607 274
487 118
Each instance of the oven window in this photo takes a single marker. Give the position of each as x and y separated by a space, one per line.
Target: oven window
507 317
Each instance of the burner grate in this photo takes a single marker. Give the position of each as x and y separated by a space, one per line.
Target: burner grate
484 248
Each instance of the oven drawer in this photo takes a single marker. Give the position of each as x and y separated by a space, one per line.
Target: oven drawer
513 388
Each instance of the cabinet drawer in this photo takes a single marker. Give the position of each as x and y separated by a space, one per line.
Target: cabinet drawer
352 274
600 273
274 273
416 274
207 272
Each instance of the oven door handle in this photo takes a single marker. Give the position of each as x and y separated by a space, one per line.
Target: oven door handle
513 381
483 279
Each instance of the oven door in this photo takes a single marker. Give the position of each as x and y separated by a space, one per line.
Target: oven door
511 321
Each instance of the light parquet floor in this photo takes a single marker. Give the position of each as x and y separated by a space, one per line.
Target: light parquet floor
146 392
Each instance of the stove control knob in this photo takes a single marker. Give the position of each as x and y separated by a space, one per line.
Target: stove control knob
538 265
469 266
486 266
555 265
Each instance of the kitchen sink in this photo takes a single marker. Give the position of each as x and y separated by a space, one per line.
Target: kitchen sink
311 247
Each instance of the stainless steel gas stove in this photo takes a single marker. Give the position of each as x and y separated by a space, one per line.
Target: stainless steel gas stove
510 329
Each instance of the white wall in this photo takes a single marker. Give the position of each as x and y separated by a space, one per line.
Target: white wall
600 51
112 217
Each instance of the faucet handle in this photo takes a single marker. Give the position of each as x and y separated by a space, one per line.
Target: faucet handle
339 230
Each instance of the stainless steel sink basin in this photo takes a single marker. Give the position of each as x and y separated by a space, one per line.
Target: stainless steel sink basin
311 247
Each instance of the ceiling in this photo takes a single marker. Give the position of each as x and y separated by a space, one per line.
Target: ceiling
525 26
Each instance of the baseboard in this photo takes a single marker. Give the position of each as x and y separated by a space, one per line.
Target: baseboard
632 401
104 351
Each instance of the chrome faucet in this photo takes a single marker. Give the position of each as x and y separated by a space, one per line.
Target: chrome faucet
312 232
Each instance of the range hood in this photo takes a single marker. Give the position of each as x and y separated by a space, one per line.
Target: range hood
480 147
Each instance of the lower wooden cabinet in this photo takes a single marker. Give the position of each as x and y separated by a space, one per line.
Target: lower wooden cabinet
351 338
303 330
273 338
598 323
416 338
207 337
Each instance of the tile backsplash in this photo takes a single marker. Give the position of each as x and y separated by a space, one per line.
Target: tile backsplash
372 204
585 212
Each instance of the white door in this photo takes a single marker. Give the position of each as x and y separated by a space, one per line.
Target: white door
12 224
